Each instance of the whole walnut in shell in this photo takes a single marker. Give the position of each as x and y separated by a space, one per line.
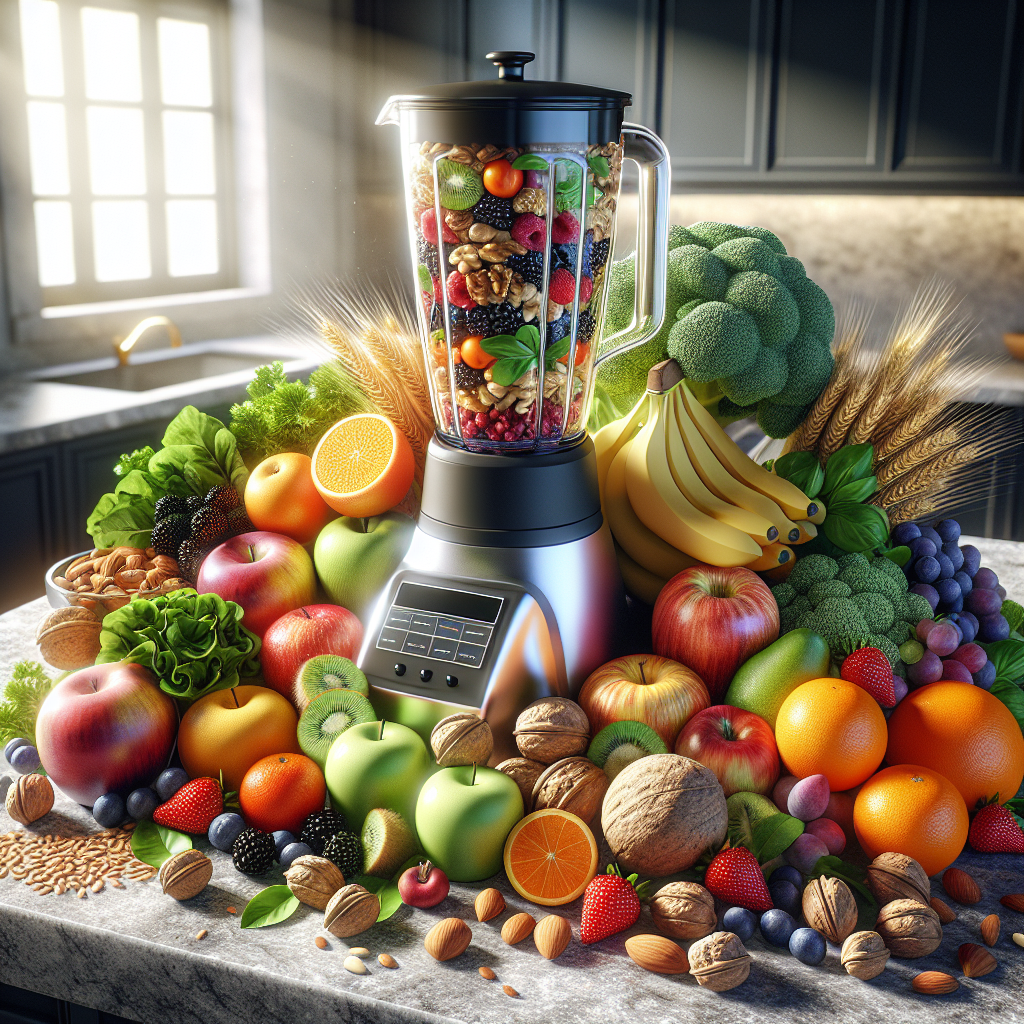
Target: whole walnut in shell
719 961
524 773
462 738
574 784
662 812
69 638
552 728
29 798
895 876
909 929
684 910
829 906
864 955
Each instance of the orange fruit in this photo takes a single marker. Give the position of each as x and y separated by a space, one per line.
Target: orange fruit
280 497
962 732
833 728
550 856
363 465
281 791
912 810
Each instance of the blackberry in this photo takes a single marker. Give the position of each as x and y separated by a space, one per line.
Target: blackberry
253 851
345 849
193 504
169 532
209 526
467 378
599 254
494 210
239 521
427 254
319 827
503 318
456 315
559 328
530 266
189 558
223 498
585 326
169 505
564 256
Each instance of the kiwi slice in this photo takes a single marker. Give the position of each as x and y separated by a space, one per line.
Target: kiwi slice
460 186
326 717
388 842
327 672
622 743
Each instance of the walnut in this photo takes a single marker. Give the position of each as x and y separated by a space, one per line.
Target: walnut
186 874
490 153
69 638
719 961
829 907
489 286
531 200
555 310
466 258
351 910
864 955
530 302
29 798
600 222
519 289
524 773
421 183
460 222
613 154
498 252
485 233
552 728
314 880
895 876
574 784
684 910
910 929
462 738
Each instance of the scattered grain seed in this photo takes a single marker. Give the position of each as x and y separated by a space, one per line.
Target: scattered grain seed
81 894
117 883
359 951
231 910
97 886
355 965
201 935
386 960
510 991
321 942
486 972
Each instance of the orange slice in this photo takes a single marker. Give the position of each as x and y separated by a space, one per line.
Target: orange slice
363 465
550 856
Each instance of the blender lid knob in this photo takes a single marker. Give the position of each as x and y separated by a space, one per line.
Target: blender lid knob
510 62
399 669
425 674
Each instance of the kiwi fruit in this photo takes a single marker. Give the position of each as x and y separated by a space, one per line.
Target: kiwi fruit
460 187
326 717
327 672
622 743
388 842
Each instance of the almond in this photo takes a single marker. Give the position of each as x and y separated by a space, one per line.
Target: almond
990 928
935 983
975 961
1018 938
961 887
387 960
448 939
1015 901
516 928
552 935
487 973
355 965
657 954
947 915
489 904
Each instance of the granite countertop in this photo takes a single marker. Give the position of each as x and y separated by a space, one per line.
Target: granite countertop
134 952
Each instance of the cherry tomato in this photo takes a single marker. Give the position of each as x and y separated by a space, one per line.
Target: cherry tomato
500 179
473 355
582 351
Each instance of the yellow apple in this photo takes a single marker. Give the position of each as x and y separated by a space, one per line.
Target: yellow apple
280 497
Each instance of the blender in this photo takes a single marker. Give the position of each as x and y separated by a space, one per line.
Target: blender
510 590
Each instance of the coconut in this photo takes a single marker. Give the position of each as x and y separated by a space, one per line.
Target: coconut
662 812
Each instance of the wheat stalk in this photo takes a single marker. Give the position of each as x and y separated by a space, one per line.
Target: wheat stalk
921 451
844 416
925 478
931 408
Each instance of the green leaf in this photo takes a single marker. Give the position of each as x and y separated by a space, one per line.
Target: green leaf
855 490
153 844
530 162
504 346
529 336
855 527
802 469
851 462
139 459
386 890
599 165
22 697
556 351
1012 696
508 371
272 906
771 836
1008 658
1013 613
424 278
900 555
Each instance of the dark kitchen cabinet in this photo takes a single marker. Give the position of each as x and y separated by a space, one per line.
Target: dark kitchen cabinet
18 1006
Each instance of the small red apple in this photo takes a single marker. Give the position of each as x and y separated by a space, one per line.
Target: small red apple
423 886
738 746
712 619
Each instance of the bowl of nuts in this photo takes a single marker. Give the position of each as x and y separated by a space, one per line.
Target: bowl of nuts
107 578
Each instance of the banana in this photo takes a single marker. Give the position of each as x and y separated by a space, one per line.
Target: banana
819 517
808 531
773 556
612 436
646 549
639 582
720 481
786 495
663 509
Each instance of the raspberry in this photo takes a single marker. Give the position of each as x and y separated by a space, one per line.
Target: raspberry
529 230
564 228
562 287
586 290
428 229
458 293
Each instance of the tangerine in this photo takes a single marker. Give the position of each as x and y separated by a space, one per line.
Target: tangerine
912 810
833 728
281 791
964 733
363 465
550 857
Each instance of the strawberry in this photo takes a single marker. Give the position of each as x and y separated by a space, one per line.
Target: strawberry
995 830
192 808
562 287
611 904
734 876
869 668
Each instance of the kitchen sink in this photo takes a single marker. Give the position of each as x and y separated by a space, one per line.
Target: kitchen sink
141 376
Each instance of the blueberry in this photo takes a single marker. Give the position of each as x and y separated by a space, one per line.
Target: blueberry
281 840
972 559
932 535
224 830
141 803
740 922
904 533
948 530
291 852
921 548
109 810
170 781
12 746
955 555
788 873
927 569
786 896
986 676
777 926
25 760
808 946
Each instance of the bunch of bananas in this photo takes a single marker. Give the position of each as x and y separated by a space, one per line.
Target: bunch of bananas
676 490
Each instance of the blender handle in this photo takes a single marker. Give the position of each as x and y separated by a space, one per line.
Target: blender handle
648 152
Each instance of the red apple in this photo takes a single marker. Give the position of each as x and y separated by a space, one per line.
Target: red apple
643 688
738 746
268 574
423 886
105 729
712 620
302 634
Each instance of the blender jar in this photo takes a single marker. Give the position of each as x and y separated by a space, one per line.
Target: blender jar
511 242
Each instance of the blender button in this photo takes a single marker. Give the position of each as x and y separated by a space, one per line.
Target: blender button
452 680
399 669
425 674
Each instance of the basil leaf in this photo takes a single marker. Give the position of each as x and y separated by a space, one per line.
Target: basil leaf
855 490
529 336
1013 613
856 527
852 462
900 555
424 278
1008 658
771 836
599 165
1012 696
272 906
508 371
555 351
802 469
530 162
385 890
153 844
504 346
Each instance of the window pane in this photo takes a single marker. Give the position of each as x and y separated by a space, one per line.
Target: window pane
111 43
40 47
192 237
185 79
117 151
48 149
54 243
188 153
120 233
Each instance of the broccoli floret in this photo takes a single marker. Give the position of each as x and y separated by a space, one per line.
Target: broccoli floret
810 570
886 646
729 410
769 302
740 254
780 420
788 618
855 558
836 618
918 608
801 604
861 580
701 274
898 632
783 594
810 366
714 340
890 568
827 588
877 611
762 378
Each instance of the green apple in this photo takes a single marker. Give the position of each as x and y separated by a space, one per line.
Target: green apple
463 817
376 764
355 558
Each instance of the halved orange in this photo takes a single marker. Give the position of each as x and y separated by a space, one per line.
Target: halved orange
363 465
550 856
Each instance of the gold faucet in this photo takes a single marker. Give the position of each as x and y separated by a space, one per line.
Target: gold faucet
123 347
